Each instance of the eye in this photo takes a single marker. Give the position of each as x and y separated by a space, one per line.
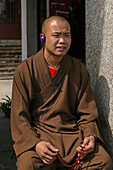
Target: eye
67 35
55 35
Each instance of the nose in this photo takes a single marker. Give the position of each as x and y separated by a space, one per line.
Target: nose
62 40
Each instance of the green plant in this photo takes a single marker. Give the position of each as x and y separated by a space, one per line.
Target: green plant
5 106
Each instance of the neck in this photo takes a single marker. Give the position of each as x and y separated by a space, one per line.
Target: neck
52 59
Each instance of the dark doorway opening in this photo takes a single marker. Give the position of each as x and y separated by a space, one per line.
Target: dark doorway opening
74 12
10 19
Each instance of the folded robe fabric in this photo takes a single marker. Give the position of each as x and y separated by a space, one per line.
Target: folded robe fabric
60 110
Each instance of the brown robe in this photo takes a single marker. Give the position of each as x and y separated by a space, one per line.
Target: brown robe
60 110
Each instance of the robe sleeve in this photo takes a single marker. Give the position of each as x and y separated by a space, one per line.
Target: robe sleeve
87 110
23 134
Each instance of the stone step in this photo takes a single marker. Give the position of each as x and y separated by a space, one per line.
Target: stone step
5 56
10 48
10 45
6 59
7 72
10 64
6 76
10 58
10 52
7 69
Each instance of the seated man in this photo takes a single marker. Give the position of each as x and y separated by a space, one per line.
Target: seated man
53 108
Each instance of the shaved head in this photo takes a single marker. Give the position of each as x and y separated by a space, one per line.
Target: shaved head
57 38
50 20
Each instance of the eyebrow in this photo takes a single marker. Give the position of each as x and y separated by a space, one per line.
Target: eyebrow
58 32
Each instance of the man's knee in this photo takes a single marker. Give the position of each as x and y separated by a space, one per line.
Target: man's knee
29 160
104 157
99 159
107 162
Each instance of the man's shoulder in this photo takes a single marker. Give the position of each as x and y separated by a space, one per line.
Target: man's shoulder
27 66
28 62
76 62
77 66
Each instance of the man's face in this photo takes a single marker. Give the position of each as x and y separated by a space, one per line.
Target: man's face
58 38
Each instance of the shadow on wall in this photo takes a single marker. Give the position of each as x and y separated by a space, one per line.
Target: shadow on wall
95 13
102 96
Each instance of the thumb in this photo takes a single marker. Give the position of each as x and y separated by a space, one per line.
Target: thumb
52 148
85 142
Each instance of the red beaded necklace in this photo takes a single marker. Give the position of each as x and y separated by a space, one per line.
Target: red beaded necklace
77 163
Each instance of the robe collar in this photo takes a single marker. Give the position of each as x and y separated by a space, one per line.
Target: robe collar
50 87
44 73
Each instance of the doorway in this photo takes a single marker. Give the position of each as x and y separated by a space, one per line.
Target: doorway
10 19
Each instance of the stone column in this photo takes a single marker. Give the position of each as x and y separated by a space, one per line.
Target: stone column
24 28
99 61
30 27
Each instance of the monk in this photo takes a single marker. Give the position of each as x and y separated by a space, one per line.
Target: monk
53 109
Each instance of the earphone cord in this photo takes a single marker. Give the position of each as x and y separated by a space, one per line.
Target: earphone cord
77 163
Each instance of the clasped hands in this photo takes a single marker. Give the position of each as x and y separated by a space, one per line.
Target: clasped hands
47 152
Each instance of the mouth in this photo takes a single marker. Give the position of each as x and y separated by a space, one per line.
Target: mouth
61 48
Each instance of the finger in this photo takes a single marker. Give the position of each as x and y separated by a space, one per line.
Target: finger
86 141
90 146
78 149
49 156
90 150
87 152
48 160
52 154
45 161
52 148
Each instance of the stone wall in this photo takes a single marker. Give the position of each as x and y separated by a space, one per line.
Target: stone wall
99 61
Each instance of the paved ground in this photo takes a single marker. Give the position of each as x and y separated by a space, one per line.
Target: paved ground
5 88
7 157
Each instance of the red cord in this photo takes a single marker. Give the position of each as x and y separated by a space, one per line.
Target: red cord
76 163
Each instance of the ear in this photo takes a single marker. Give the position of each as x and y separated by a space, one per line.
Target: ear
42 38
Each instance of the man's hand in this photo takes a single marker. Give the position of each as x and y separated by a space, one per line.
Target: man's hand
46 152
88 145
